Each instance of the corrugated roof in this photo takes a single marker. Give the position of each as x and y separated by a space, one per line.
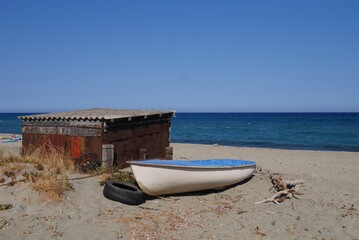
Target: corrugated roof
95 114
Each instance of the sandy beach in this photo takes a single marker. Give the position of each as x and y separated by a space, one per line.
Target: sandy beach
327 210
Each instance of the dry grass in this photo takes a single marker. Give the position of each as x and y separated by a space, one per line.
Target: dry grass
50 179
53 182
52 186
52 157
12 169
6 158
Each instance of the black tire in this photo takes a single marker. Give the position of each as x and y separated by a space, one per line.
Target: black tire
123 192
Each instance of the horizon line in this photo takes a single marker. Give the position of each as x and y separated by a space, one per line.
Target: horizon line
40 112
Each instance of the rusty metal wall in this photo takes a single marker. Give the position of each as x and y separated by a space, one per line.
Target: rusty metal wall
128 141
77 138
73 146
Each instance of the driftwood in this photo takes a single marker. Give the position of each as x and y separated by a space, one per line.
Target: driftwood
285 189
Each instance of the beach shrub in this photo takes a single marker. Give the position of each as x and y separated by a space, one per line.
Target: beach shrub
6 158
52 186
49 178
51 157
122 176
52 182
12 169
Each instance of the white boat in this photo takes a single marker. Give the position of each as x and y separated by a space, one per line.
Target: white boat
163 177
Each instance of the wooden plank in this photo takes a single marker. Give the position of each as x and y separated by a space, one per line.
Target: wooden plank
154 128
68 146
70 131
75 147
95 145
140 131
84 145
119 135
89 132
165 126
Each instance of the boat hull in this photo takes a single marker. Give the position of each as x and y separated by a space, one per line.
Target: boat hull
167 179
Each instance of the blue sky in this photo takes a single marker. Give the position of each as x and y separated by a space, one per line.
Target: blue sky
242 56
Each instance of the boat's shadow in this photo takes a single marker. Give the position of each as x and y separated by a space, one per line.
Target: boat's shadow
201 193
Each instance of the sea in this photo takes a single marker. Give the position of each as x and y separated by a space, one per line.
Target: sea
307 131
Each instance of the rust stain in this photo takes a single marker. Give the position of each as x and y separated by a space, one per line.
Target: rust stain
75 147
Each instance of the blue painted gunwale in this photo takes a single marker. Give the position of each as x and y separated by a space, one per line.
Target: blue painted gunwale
10 140
209 163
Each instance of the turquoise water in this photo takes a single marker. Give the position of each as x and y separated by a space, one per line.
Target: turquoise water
316 131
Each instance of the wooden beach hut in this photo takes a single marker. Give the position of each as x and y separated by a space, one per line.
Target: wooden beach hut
110 134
